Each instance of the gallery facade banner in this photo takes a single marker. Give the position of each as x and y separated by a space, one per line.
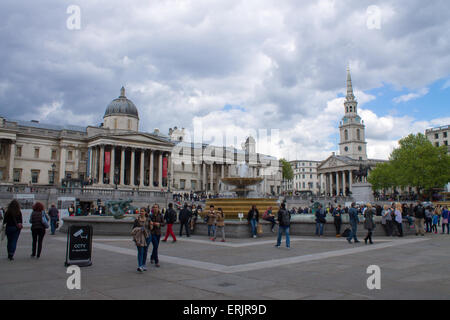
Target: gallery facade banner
107 165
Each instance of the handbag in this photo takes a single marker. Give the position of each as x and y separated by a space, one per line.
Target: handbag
259 229
44 220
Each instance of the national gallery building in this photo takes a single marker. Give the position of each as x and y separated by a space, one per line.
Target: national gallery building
117 155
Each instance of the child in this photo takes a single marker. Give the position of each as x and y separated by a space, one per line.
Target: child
435 222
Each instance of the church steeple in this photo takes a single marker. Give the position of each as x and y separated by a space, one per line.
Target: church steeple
350 95
350 102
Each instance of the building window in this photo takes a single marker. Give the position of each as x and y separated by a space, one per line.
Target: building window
182 184
446 142
35 176
70 155
17 175
51 177
193 184
358 134
193 167
436 135
129 124
53 154
437 144
36 153
445 134
346 149
360 148
346 134
18 151
182 167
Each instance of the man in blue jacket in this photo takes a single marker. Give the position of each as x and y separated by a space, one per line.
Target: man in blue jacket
354 220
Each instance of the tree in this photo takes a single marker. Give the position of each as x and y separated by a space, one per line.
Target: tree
416 163
288 173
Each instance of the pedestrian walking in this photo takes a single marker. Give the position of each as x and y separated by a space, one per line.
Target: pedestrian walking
337 215
54 218
141 233
39 222
220 224
354 220
369 224
428 219
419 215
13 224
170 217
157 223
434 227
253 220
445 218
211 221
320 220
399 219
284 220
386 220
185 217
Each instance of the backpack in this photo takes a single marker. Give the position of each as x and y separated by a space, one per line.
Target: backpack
266 215
285 218
346 233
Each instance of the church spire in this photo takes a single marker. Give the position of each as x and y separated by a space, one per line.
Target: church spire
350 95
122 92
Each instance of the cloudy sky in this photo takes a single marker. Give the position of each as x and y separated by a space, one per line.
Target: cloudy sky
232 67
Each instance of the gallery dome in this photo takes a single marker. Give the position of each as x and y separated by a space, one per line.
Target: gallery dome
121 106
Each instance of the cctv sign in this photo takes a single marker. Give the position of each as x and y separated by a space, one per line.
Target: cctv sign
79 246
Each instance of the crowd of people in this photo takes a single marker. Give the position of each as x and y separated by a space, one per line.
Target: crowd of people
148 226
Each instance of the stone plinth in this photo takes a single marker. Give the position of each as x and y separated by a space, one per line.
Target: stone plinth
362 192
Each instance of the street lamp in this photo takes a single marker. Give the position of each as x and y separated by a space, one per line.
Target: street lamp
53 173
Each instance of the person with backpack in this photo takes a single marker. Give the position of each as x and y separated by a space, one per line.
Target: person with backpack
141 233
320 220
211 221
284 219
12 222
354 220
428 219
419 215
337 212
157 222
170 217
185 216
369 224
39 222
268 216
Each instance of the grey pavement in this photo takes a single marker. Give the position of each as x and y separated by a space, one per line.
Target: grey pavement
196 268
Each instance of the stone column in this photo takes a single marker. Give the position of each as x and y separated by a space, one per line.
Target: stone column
62 164
133 155
330 174
229 171
151 169
160 161
211 178
112 167
141 172
102 164
204 177
337 183
122 166
344 193
90 162
12 154
350 181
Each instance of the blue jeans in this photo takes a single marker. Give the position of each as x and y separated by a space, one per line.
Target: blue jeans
284 229
211 230
353 232
155 242
12 233
253 224
53 224
319 228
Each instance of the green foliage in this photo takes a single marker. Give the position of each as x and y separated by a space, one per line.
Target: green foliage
416 163
288 173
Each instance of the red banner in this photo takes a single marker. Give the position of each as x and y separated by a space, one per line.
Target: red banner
165 167
107 165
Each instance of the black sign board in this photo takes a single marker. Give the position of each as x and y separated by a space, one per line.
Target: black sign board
79 246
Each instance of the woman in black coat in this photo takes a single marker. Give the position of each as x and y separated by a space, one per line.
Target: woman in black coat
13 224
37 228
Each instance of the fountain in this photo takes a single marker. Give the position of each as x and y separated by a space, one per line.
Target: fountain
245 196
